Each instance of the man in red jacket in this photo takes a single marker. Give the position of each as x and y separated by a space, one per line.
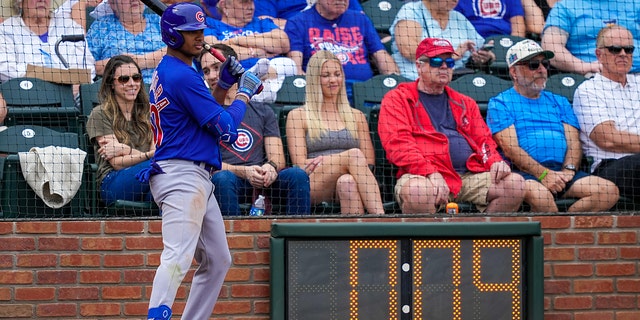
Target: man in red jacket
441 144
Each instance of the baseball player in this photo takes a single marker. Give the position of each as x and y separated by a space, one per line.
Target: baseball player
188 125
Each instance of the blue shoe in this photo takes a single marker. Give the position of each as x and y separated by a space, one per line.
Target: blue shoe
160 313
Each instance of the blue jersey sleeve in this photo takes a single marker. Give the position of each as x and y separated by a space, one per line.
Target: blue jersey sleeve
499 114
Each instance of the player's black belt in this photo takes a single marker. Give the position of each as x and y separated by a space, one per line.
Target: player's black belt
209 168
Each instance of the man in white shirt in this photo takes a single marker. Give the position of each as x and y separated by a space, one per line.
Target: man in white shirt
608 109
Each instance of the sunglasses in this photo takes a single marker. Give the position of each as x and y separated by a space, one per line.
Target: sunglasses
125 79
437 62
535 64
618 49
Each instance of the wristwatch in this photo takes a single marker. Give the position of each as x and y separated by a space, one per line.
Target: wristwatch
570 167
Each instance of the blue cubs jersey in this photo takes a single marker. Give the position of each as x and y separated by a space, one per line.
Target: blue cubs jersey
181 106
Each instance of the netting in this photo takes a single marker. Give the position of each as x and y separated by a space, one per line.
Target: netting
331 134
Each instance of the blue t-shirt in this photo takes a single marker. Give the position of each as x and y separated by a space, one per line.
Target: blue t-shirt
181 105
539 123
437 106
491 17
351 37
107 37
223 31
286 9
583 19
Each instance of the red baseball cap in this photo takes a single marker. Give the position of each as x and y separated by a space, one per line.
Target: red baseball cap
432 47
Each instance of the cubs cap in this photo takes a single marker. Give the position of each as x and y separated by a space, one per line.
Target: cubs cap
525 50
432 47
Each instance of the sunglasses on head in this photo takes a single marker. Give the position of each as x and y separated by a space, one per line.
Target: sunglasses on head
125 79
437 62
618 49
535 64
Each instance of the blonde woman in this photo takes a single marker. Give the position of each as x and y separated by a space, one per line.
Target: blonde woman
121 134
331 141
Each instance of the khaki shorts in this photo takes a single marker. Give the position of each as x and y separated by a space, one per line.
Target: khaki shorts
475 187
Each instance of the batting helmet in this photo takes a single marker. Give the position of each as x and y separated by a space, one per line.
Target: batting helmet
181 16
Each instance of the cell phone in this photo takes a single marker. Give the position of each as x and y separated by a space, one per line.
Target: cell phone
487 47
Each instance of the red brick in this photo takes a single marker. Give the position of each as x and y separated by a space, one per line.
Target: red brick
154 227
58 243
628 222
36 260
125 293
559 254
592 222
262 307
261 274
546 238
80 260
232 307
136 276
123 260
56 310
557 316
36 227
630 253
572 303
6 260
563 238
99 309
264 242
35 294
99 276
144 243
252 226
6 227
573 270
628 285
601 253
554 222
5 294
557 286
601 315
78 293
124 227
593 285
136 308
627 315
56 276
617 238
240 242
17 244
102 243
249 290
238 274
615 302
250 258
615 269
80 227
16 277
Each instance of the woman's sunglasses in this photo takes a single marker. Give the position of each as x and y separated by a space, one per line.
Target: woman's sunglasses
535 64
125 79
618 49
437 62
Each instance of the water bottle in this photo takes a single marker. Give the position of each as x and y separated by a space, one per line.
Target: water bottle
452 208
257 209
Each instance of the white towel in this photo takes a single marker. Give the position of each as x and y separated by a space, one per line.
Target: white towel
54 173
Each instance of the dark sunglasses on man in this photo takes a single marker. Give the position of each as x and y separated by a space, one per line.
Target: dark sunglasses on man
437 62
618 49
125 79
535 64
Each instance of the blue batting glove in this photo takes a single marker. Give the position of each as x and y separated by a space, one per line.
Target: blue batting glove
249 85
230 71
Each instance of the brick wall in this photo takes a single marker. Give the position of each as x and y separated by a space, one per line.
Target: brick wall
104 269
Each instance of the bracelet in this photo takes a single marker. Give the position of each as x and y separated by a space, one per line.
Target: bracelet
544 174
146 155
273 164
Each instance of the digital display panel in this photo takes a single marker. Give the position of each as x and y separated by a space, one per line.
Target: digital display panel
407 271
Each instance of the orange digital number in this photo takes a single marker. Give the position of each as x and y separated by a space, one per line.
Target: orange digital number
354 247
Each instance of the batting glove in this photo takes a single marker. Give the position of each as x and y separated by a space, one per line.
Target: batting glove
249 85
230 71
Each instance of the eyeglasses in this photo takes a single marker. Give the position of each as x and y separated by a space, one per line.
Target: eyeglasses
618 49
437 62
535 64
125 79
